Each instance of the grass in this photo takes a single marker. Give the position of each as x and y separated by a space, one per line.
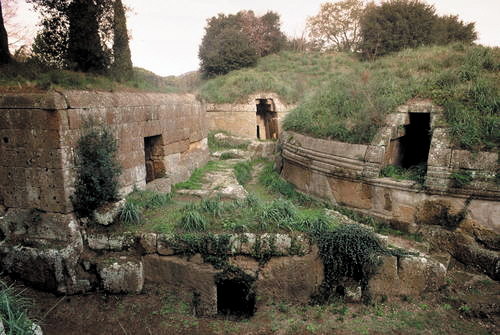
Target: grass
217 144
340 97
416 173
195 182
13 311
31 77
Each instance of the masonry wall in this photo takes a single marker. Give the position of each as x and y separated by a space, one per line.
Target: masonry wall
39 132
240 118
347 174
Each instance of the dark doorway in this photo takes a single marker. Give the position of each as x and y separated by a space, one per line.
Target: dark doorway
416 142
235 297
153 152
267 119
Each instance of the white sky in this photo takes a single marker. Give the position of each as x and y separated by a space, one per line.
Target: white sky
166 34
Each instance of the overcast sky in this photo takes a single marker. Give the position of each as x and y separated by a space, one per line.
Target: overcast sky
166 34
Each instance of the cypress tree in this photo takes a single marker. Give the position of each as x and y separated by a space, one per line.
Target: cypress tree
122 66
4 41
85 50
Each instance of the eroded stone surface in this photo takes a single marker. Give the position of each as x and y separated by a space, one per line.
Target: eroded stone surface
122 276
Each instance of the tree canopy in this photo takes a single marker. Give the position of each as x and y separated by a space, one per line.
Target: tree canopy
336 26
78 34
237 40
398 24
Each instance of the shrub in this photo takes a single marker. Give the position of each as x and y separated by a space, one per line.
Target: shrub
97 170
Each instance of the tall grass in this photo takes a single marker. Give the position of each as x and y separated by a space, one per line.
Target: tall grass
243 172
13 312
340 97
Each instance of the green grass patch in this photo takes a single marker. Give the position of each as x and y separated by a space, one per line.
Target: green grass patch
195 182
243 172
219 144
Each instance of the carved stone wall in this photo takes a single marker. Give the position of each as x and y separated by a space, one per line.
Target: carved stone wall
39 132
348 174
241 119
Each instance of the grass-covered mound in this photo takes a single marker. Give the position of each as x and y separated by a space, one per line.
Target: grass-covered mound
340 97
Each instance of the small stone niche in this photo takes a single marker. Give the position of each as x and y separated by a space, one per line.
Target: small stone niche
154 154
235 298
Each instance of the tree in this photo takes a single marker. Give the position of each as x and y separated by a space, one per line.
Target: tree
4 41
450 28
398 24
225 47
336 26
238 40
264 32
75 34
85 50
122 66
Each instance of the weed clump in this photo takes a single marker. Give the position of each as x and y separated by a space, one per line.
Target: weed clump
13 314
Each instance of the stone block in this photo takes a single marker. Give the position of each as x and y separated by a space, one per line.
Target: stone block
292 279
420 274
175 273
123 276
98 241
164 244
375 154
148 243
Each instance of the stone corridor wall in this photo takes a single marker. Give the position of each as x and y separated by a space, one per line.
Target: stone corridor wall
39 132
240 118
347 174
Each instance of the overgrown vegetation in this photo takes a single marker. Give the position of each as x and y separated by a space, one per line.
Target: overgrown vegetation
96 168
461 178
416 173
348 251
343 98
13 312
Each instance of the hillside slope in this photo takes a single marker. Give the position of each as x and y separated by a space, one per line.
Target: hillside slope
340 97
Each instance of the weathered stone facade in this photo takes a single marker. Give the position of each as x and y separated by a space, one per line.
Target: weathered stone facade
348 174
41 241
39 132
259 117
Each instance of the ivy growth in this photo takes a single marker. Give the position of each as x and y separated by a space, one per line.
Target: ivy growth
348 251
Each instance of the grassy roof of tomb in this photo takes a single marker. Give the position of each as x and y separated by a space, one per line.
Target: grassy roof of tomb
25 77
340 97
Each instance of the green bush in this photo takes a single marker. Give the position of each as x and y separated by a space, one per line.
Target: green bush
97 170
416 173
